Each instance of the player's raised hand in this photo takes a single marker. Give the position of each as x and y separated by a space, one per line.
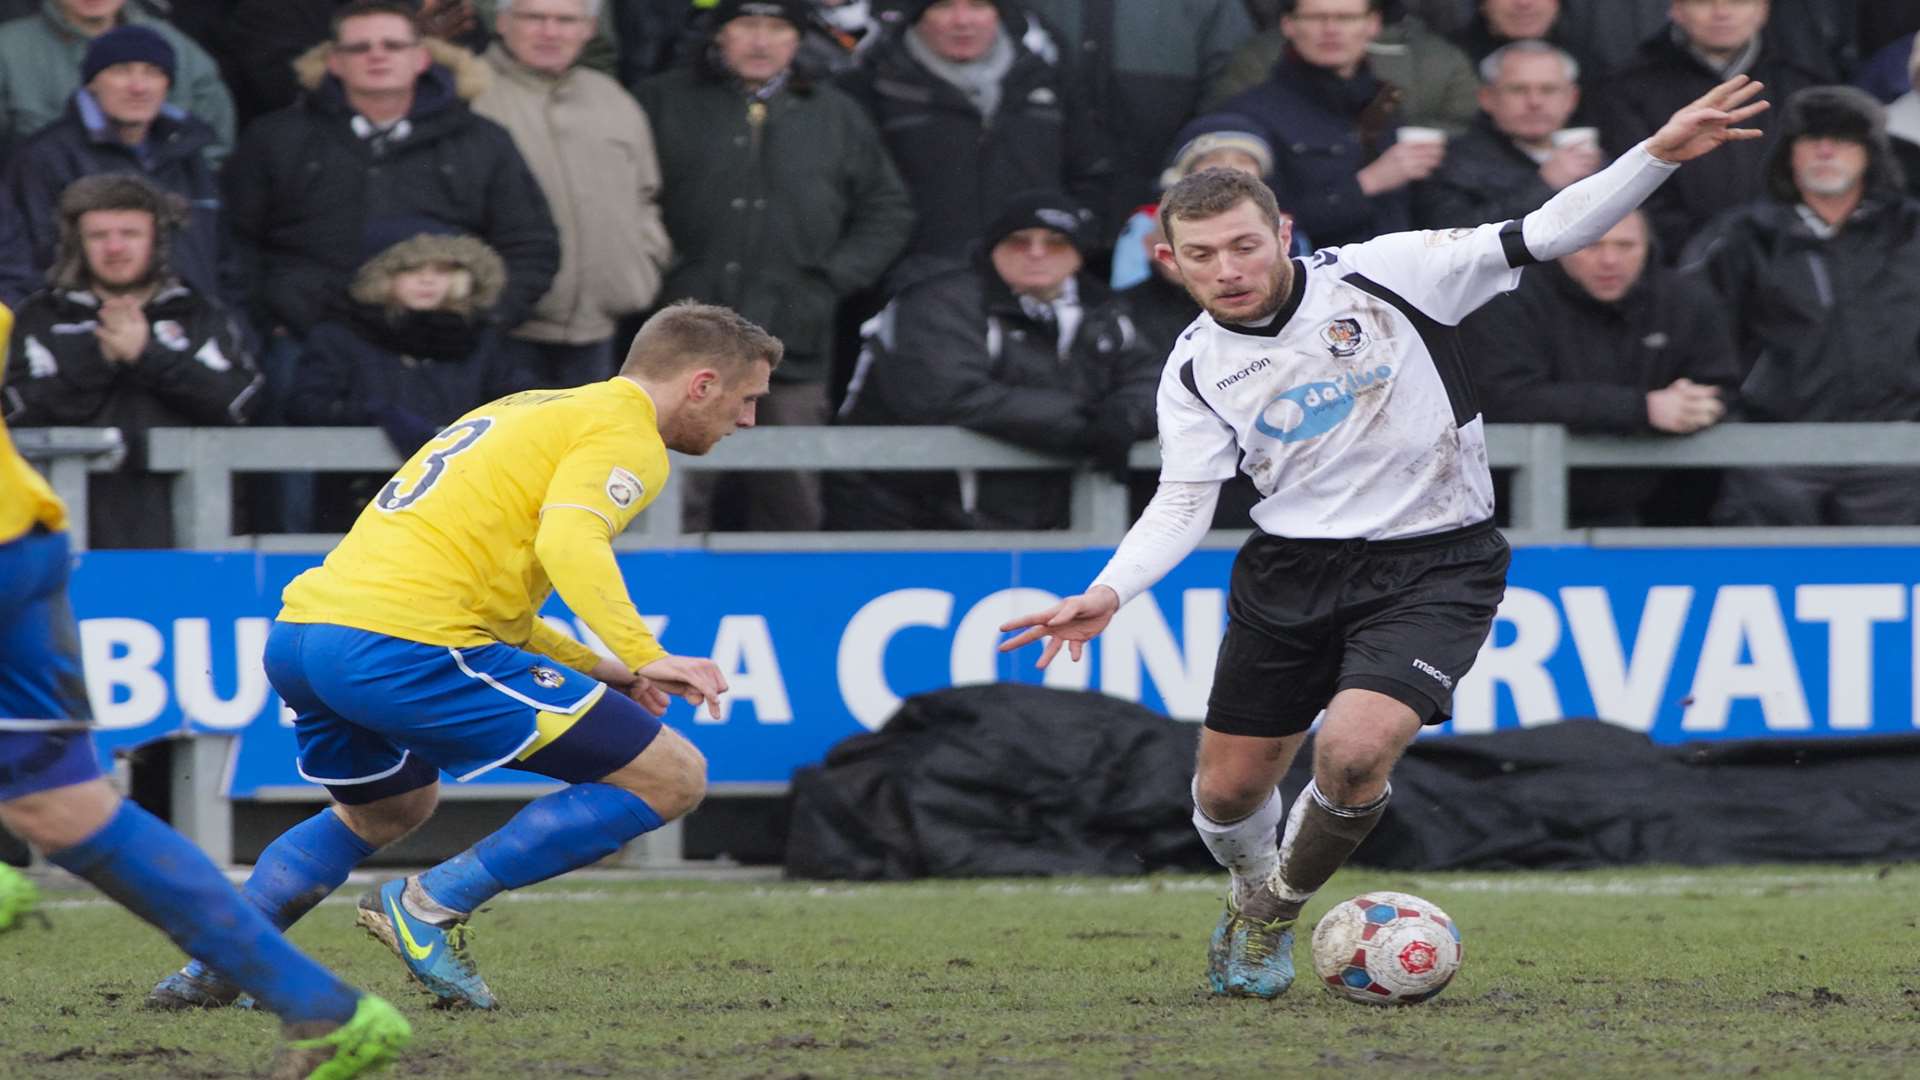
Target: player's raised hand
1072 622
691 677
1711 122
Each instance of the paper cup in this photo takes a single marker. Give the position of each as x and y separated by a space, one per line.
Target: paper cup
1420 135
1576 136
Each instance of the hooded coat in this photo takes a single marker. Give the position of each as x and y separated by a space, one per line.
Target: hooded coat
409 372
196 370
303 188
1825 320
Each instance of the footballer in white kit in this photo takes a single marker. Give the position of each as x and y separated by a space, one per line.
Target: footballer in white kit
1337 383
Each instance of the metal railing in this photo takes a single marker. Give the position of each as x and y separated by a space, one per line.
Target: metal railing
1540 456
206 460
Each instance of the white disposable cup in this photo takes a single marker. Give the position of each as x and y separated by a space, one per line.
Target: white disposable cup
1420 135
1576 136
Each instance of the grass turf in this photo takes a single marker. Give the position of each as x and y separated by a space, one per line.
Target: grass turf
1766 971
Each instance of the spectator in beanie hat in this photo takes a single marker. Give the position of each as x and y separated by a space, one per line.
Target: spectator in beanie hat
118 121
1020 345
40 67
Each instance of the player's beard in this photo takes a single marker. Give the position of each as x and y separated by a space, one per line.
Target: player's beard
1278 284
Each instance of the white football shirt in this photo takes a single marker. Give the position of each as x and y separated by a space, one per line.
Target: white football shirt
1353 407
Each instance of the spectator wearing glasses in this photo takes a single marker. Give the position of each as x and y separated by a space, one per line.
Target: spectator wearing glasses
592 150
383 132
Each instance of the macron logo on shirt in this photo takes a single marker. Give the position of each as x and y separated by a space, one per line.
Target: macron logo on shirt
1258 365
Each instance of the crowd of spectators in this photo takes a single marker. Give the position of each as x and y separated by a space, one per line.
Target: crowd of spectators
386 212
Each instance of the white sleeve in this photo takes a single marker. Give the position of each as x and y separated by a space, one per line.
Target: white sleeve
1171 526
1450 273
1584 211
1195 443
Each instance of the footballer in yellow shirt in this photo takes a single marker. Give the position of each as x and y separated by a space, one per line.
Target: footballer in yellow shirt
416 648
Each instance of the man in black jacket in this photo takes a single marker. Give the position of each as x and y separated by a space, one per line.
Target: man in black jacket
1708 42
1020 346
971 104
1821 276
1609 341
781 202
118 121
118 341
383 132
1519 150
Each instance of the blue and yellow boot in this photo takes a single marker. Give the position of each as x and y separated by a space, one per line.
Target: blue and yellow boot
436 955
1257 940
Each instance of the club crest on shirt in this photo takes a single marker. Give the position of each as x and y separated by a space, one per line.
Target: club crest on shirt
171 334
1344 337
623 487
546 678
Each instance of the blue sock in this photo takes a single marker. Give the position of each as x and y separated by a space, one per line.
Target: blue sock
155 873
551 835
299 870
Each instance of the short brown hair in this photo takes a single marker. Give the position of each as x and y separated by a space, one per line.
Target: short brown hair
687 333
1212 192
361 8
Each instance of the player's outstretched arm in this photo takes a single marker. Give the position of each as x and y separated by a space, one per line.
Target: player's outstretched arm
1072 622
1710 122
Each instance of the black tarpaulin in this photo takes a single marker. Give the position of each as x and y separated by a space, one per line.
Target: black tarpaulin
1021 780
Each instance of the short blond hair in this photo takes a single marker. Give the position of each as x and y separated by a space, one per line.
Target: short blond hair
687 334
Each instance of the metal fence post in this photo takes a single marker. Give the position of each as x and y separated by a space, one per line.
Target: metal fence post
198 804
1540 482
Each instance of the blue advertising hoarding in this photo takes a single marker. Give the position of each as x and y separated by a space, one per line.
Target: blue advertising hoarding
1681 644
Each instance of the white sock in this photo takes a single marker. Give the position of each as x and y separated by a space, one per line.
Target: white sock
1245 847
421 905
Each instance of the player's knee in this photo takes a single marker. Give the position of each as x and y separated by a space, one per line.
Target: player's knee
385 821
1225 796
670 774
1352 769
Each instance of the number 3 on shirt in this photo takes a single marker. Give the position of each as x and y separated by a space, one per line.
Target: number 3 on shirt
454 439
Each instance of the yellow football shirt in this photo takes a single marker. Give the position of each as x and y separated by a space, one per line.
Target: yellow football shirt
25 498
513 500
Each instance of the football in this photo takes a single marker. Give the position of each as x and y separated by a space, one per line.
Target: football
1386 948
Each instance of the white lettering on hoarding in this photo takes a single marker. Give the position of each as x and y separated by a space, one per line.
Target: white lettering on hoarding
862 659
193 682
743 648
1849 612
122 685
1746 620
976 657
1182 671
1626 692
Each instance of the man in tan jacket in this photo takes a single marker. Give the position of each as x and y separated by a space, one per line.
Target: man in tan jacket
591 149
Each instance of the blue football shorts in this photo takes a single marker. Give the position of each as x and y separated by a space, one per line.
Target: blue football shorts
376 715
43 698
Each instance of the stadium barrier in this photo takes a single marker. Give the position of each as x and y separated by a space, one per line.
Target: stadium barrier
202 714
